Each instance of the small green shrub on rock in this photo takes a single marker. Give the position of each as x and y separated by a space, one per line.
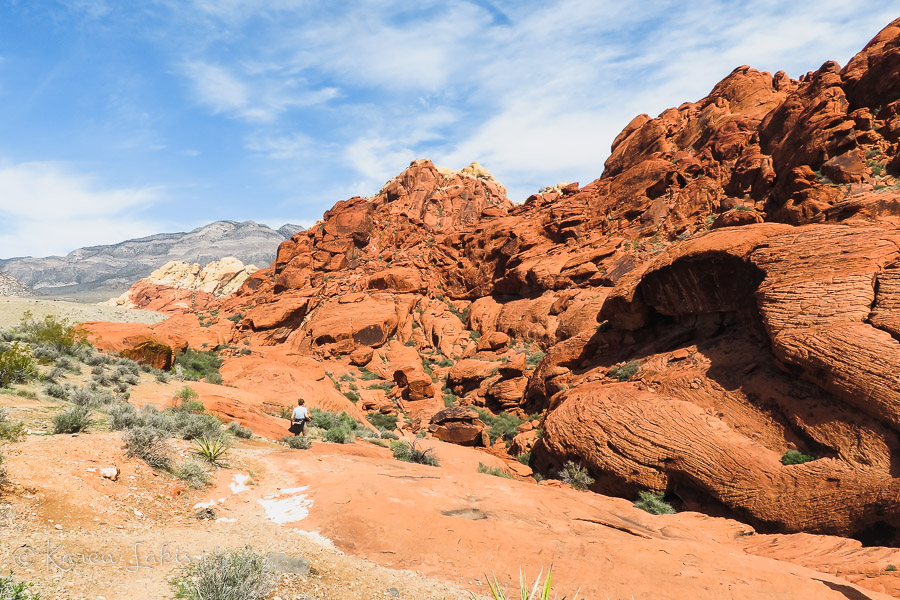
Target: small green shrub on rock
653 503
495 471
625 372
297 442
576 476
226 575
795 457
410 452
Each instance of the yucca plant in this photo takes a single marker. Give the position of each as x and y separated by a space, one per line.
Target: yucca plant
211 449
538 591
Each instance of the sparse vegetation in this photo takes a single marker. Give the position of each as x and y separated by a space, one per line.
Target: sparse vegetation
537 591
226 575
366 374
495 471
795 457
533 359
193 473
891 568
385 386
450 399
10 431
352 396
411 452
653 503
625 372
10 589
72 420
239 430
297 442
16 365
339 435
504 426
149 444
198 364
382 421
576 476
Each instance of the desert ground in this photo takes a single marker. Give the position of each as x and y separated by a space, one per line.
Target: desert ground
12 310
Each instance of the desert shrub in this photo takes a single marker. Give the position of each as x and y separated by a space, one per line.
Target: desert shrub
486 416
72 420
16 365
91 398
56 373
11 431
382 421
537 591
122 416
347 377
366 374
198 364
450 399
388 435
185 395
211 449
410 452
3 480
149 444
533 359
891 568
653 503
384 386
445 362
59 335
297 442
576 476
126 365
226 575
161 376
193 473
131 379
98 370
504 427
626 371
10 589
328 420
45 353
54 390
239 430
524 458
352 396
795 457
64 362
339 435
193 426
495 471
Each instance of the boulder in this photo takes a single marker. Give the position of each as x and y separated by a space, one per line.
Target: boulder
459 425
361 356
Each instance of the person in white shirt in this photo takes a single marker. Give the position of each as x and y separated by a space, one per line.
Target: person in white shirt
299 417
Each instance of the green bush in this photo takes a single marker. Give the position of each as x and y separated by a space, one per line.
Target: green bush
59 334
450 399
504 427
653 503
537 591
72 420
54 390
198 364
149 444
193 473
576 476
795 457
12 590
386 386
226 575
352 396
339 435
297 442
366 374
626 371
891 568
495 471
239 430
16 365
328 420
410 452
485 415
534 359
524 458
382 421
11 431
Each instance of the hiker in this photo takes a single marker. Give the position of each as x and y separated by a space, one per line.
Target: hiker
299 417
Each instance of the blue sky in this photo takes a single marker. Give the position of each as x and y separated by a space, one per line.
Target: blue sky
122 118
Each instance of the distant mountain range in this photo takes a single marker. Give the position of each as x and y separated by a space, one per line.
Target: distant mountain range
99 272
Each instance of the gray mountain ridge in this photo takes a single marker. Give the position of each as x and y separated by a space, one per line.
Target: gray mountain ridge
100 272
10 287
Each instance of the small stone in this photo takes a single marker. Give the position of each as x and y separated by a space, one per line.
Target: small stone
394 592
57 527
279 562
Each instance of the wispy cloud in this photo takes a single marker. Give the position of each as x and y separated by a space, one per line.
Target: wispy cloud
49 208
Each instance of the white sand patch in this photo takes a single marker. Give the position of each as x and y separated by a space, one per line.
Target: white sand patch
287 506
240 483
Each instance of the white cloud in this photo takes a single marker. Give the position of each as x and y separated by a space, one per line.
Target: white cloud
48 209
